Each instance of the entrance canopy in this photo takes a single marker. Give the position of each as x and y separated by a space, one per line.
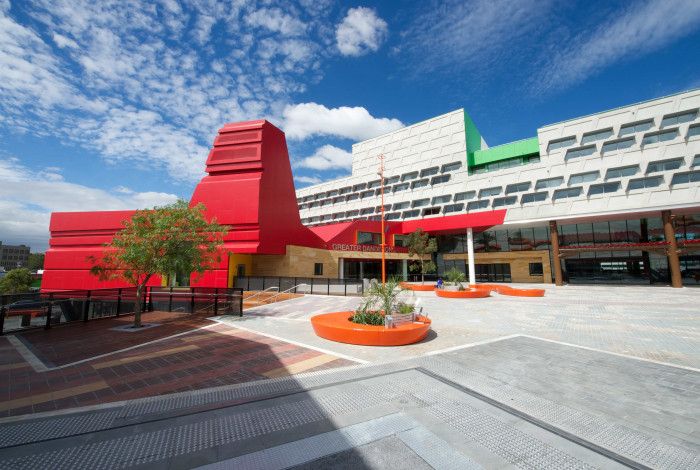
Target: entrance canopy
478 222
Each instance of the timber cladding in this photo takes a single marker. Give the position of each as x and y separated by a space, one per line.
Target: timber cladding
519 263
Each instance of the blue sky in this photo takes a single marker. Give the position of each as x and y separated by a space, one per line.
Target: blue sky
114 105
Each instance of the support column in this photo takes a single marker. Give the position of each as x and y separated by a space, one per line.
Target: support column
674 264
404 269
554 238
341 268
470 254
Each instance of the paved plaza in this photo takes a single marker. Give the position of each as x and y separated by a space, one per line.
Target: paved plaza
586 377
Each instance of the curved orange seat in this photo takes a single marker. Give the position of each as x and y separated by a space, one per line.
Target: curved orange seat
336 326
417 287
463 294
512 291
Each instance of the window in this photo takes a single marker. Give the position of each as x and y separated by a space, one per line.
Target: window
332 193
517 187
421 202
440 179
373 184
474 205
409 176
580 152
639 126
679 118
325 202
686 177
352 213
429 171
369 238
345 190
338 199
549 183
318 269
392 216
533 197
302 206
504 201
400 240
596 136
365 194
584 177
378 209
662 136
431 211
411 213
664 165
367 211
353 196
509 163
560 143
693 130
496 190
617 145
453 208
451 167
359 187
567 193
603 188
401 205
391 180
621 172
536 269
419 184
401 187
465 196
441 199
696 161
649 182
325 217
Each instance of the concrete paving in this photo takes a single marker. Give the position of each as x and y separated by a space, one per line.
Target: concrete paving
518 402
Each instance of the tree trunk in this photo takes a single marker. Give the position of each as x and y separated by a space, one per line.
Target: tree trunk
422 271
138 306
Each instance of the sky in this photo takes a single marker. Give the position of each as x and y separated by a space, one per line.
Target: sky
108 105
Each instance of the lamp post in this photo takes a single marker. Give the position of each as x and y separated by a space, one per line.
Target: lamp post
381 185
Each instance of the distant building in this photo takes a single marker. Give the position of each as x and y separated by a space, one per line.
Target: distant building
14 256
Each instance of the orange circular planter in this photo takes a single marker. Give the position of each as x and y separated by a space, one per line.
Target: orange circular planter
337 326
512 291
463 294
417 287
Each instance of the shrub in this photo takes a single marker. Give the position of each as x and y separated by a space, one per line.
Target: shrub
378 301
455 276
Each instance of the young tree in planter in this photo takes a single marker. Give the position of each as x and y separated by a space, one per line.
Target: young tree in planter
420 244
168 239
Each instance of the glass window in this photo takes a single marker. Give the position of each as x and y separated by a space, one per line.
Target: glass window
662 136
345 190
359 187
618 231
353 196
650 182
617 145
440 179
441 199
679 118
367 211
604 188
400 240
567 193
318 269
694 130
560 143
533 197
451 167
332 193
378 209
391 180
338 199
622 171
549 183
373 184
401 205
585 233
686 177
601 232
453 208
400 187
369 238
580 152
505 201
595 136
365 194
392 216
474 205
419 184
634 231
411 213
338 215
581 178
431 211
420 202
490 191
568 235
664 165
536 269
639 126
465 196
429 171
409 176
517 187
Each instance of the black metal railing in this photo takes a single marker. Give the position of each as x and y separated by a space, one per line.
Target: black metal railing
302 285
23 311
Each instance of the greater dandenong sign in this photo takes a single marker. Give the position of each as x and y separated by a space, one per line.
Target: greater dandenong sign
367 248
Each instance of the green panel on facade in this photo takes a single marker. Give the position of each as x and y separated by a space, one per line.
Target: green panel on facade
473 138
503 152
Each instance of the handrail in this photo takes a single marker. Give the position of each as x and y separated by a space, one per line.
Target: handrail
246 299
285 291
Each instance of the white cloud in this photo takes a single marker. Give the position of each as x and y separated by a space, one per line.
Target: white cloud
642 28
28 197
308 179
309 119
328 157
63 41
273 19
360 32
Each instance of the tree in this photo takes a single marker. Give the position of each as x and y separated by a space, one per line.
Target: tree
420 244
168 239
36 261
16 281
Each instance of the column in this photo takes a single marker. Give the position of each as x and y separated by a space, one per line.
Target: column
404 269
470 254
674 264
341 268
554 238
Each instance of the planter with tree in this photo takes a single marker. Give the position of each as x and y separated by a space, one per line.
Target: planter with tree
455 278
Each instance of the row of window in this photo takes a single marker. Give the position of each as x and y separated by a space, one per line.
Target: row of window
673 119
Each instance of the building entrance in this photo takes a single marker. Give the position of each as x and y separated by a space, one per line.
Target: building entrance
370 269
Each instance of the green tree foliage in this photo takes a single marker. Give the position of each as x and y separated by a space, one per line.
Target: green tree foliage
379 300
16 281
36 261
420 244
455 276
169 239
